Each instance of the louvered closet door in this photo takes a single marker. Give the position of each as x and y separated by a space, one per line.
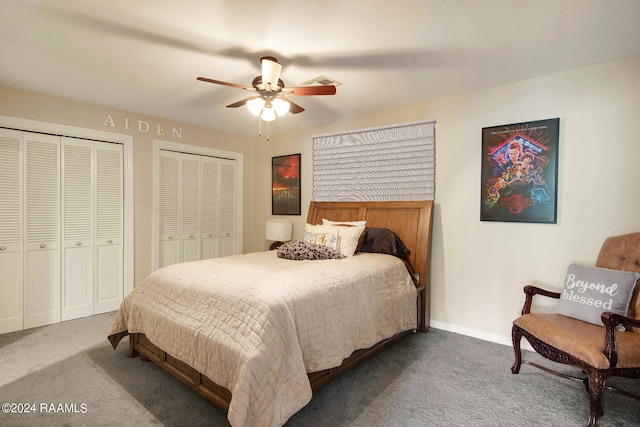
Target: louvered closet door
42 231
197 207
109 231
228 195
190 184
11 305
77 228
169 215
210 207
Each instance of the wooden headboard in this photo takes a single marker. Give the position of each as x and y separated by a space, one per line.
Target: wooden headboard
412 221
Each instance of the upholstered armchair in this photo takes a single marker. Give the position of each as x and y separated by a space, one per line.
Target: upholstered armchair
601 351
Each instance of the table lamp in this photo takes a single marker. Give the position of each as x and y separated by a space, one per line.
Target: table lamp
279 231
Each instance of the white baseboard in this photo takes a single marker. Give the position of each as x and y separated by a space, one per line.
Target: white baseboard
498 339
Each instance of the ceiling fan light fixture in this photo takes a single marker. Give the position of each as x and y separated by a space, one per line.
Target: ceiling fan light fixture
268 113
281 106
268 100
256 105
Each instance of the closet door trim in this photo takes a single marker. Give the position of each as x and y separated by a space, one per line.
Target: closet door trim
127 143
159 145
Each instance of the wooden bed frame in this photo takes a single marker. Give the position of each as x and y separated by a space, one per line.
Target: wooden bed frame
412 221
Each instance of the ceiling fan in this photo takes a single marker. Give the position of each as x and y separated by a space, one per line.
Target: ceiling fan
269 91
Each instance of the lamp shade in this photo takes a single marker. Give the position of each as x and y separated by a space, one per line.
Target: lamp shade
279 230
281 106
255 106
268 113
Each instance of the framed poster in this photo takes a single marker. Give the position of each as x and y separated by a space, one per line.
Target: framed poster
285 185
520 172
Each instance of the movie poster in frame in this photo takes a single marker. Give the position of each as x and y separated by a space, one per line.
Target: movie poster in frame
285 185
520 172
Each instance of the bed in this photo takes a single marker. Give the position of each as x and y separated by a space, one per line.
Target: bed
273 351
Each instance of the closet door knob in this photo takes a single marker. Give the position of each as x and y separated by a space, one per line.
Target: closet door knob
78 243
2 248
210 234
42 246
109 241
190 235
170 237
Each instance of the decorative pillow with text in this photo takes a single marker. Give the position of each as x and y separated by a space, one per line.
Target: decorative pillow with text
348 237
328 239
590 291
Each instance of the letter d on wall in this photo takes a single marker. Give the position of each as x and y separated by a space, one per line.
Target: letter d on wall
143 126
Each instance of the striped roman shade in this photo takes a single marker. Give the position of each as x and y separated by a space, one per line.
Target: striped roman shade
395 162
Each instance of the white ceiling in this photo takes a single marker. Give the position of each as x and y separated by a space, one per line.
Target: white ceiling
143 56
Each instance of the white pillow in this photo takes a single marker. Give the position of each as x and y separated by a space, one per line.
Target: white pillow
347 236
355 223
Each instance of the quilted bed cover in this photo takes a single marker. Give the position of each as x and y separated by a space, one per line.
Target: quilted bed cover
256 323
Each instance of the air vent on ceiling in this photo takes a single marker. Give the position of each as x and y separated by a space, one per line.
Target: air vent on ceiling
321 80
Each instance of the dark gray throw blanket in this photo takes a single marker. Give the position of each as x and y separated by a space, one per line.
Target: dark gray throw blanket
384 241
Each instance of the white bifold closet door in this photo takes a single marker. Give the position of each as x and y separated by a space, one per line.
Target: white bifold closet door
190 209
78 225
169 208
61 228
109 232
219 204
210 206
92 227
11 228
42 230
197 207
29 230
228 198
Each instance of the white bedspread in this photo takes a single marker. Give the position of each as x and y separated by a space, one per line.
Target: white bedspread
256 324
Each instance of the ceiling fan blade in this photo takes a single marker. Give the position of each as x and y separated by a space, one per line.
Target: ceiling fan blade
241 102
219 82
312 90
293 107
270 72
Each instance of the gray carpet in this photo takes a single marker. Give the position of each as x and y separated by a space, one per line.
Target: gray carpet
434 379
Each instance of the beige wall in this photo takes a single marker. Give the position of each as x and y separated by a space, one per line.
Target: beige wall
33 106
479 268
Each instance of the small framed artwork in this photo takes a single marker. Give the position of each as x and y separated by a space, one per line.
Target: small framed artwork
520 172
285 185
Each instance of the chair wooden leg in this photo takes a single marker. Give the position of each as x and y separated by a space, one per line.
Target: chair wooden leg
516 337
596 389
